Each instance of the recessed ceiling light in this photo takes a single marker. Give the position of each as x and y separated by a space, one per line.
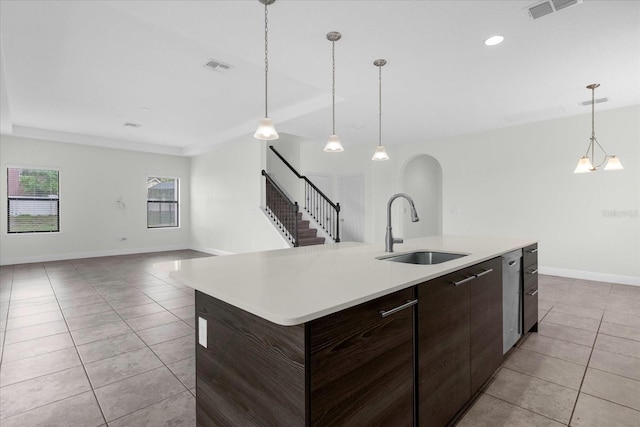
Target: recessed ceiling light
494 40
145 109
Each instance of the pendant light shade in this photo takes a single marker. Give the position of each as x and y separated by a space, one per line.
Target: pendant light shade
587 162
380 153
333 143
613 164
584 165
266 131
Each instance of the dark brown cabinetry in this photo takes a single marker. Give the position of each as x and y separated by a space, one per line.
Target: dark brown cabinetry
459 338
252 372
443 348
351 368
414 357
486 322
530 289
362 364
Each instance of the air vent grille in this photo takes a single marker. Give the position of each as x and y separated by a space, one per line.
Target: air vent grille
598 101
561 4
132 125
550 6
541 10
216 65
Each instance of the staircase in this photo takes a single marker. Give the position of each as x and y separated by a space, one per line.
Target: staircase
287 216
307 235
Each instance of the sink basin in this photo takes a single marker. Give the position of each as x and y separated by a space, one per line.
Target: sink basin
422 257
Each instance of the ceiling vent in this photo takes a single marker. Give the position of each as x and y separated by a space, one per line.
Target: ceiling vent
216 65
598 101
132 125
550 6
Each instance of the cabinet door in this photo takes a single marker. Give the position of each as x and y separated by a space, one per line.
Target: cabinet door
362 365
486 321
530 289
443 348
530 308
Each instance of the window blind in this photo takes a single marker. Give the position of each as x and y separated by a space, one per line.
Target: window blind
33 204
162 202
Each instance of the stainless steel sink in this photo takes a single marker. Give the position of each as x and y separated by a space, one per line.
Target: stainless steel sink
422 257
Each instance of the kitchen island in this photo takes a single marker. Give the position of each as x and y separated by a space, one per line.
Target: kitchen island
332 335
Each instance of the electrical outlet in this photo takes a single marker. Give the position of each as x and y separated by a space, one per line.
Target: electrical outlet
202 332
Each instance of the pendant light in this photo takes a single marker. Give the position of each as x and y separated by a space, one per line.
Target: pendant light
380 153
587 162
266 131
333 143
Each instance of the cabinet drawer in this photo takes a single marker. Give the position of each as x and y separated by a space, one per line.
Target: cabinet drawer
361 363
530 255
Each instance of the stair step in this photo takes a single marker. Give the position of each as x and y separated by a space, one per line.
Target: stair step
307 232
311 241
302 225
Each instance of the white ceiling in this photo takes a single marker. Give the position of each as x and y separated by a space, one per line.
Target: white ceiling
76 71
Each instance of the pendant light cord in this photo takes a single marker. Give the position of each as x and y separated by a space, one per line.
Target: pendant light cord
379 105
333 87
266 57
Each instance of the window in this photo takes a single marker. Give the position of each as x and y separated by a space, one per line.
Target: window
162 202
33 200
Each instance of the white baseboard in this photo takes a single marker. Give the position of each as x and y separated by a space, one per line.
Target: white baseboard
590 275
93 254
212 251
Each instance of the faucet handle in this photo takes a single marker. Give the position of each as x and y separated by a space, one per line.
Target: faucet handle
398 240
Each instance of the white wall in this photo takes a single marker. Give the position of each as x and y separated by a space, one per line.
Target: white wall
92 179
422 180
519 182
226 193
354 159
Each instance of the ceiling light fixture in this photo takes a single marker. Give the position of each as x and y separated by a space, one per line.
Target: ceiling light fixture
586 162
380 153
494 40
266 131
333 143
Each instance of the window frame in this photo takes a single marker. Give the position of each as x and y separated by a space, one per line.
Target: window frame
58 215
176 202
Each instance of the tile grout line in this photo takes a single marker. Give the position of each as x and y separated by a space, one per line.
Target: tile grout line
526 409
75 347
611 401
146 345
575 404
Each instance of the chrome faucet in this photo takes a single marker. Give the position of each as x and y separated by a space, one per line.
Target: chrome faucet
389 240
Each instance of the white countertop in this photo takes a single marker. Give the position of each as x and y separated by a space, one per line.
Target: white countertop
294 286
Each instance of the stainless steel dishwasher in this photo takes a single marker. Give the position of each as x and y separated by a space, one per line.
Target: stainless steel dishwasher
511 300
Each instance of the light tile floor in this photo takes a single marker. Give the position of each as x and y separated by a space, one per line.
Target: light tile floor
96 342
110 341
582 368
